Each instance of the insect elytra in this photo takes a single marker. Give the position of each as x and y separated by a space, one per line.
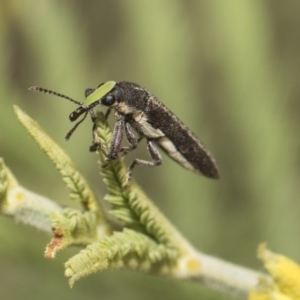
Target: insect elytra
138 109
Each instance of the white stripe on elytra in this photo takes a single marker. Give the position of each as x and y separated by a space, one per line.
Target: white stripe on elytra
169 147
145 127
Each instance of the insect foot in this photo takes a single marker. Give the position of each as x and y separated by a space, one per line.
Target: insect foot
128 179
94 147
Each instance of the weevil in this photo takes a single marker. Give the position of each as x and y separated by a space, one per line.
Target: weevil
138 109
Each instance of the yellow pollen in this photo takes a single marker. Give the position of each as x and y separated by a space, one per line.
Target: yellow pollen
193 265
20 196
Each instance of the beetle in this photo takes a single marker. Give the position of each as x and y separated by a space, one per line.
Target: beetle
136 108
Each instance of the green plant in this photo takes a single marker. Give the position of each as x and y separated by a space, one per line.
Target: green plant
139 238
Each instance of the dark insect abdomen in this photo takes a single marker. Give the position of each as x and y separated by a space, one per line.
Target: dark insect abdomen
186 143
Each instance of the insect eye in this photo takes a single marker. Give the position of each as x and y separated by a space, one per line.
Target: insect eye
108 100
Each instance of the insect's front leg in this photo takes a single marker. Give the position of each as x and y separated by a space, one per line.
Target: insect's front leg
116 141
156 160
96 144
107 113
117 137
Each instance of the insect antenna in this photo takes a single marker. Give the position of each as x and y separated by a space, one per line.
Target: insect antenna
46 91
75 126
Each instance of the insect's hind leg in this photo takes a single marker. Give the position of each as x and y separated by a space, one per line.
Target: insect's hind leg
156 160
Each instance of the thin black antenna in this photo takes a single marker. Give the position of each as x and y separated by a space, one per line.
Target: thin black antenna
46 91
74 127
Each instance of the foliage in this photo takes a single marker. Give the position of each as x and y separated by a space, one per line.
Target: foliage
228 69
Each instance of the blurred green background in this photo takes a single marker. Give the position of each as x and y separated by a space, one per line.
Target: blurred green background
229 69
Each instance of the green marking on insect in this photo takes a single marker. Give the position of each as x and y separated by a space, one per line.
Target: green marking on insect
99 93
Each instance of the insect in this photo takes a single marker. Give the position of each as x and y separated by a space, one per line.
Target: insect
138 109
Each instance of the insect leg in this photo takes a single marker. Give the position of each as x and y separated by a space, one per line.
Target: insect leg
116 142
95 143
131 138
117 138
154 154
107 113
